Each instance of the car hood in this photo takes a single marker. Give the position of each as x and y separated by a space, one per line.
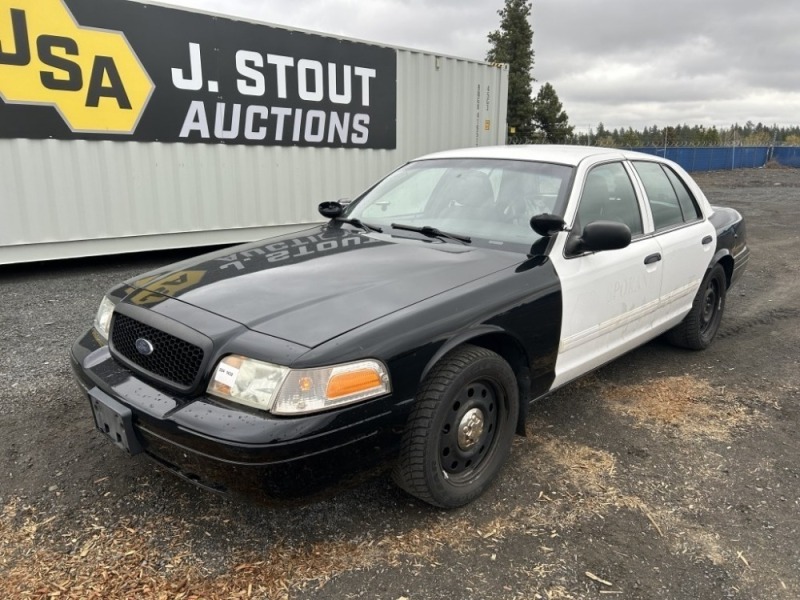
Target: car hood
310 287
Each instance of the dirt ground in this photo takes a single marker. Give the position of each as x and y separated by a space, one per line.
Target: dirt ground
667 474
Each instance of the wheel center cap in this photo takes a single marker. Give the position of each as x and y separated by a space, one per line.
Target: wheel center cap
470 428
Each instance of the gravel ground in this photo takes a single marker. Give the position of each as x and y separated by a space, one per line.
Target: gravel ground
667 474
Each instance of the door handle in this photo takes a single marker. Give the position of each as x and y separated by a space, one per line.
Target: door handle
707 240
653 258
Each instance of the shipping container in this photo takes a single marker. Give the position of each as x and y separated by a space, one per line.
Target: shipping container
129 126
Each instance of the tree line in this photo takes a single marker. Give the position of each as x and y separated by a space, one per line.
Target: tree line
749 134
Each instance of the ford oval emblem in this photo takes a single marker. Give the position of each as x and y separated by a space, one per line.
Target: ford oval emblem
144 347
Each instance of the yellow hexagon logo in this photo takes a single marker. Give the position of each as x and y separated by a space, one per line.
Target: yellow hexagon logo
157 289
91 76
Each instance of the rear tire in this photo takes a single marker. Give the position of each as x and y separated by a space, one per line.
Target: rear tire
698 328
460 430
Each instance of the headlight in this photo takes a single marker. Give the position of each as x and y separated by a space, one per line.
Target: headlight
285 391
102 320
247 381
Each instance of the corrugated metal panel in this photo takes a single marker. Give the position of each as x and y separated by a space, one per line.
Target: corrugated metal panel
79 198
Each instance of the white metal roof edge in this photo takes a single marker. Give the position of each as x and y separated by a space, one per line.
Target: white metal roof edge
562 154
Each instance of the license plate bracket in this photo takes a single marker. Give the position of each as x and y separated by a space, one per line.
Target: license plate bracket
114 420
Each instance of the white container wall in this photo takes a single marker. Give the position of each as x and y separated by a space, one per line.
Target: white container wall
69 198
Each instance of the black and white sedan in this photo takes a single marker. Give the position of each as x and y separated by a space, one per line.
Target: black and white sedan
413 328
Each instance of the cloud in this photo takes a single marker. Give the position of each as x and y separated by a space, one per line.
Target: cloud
625 63
632 63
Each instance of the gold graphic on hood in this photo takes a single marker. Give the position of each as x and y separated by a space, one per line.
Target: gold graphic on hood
155 290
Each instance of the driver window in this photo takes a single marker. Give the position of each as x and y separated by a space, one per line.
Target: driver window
608 196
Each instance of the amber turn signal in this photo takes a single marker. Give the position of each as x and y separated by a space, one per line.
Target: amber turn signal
352 382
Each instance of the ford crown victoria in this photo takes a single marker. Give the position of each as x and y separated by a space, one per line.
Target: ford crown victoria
413 328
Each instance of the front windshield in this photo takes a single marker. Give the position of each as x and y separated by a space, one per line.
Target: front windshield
489 200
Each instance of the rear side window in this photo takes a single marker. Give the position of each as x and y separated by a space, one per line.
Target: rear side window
670 200
691 210
661 195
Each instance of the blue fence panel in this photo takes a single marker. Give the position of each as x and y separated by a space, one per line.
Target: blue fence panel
716 158
749 157
787 155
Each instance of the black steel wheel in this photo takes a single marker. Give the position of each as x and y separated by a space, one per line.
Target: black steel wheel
698 328
460 431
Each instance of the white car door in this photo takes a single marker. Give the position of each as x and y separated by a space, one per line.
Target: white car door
609 298
686 239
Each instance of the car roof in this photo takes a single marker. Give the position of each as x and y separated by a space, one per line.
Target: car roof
564 155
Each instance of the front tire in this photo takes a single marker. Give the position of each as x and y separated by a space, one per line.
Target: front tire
460 430
698 328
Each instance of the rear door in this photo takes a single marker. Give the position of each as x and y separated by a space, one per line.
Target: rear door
685 238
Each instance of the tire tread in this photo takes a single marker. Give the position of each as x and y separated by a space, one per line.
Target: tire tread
687 333
409 471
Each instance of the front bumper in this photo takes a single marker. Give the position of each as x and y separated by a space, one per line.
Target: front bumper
231 449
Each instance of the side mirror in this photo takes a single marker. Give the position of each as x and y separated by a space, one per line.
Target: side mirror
331 210
602 235
546 224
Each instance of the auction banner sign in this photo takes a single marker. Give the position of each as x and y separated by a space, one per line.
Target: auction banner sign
123 70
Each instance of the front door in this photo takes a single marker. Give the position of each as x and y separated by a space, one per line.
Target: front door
609 298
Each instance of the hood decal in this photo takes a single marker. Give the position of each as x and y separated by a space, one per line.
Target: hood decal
311 287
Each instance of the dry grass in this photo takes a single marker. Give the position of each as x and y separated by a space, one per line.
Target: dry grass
591 473
774 164
558 593
51 558
590 488
123 561
683 406
689 406
703 543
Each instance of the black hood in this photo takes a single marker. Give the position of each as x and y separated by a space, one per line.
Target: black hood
313 286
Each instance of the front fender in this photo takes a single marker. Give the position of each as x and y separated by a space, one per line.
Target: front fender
458 339
506 345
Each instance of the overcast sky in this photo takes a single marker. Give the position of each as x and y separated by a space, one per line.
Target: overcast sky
622 62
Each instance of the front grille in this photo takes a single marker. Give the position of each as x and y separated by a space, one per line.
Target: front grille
173 359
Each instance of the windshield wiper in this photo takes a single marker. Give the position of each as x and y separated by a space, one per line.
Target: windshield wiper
359 223
433 232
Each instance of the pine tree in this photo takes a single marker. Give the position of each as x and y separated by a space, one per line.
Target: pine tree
549 116
513 44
